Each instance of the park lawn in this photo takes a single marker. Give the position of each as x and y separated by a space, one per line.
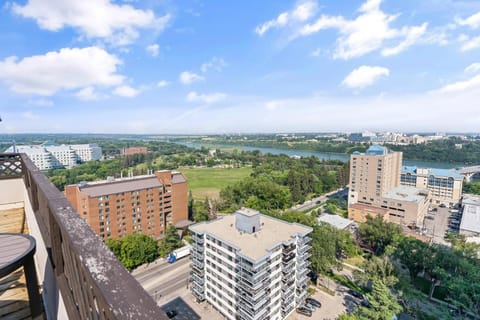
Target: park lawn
209 181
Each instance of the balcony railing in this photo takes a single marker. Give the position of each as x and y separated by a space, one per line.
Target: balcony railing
80 273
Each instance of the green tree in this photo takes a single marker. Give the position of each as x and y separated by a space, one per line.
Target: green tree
170 242
378 234
134 249
383 303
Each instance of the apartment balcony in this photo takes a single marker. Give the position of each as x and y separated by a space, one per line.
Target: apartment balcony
289 249
304 248
78 277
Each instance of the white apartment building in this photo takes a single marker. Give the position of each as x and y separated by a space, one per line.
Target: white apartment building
250 266
47 157
87 152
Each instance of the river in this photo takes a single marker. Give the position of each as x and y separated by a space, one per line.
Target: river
321 155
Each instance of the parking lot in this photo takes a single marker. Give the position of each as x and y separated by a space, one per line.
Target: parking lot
441 220
332 306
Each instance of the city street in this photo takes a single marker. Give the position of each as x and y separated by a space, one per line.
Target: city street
322 199
164 281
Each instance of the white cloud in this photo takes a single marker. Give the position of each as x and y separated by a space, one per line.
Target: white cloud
162 83
29 115
41 102
465 85
365 76
206 98
470 43
69 68
473 21
412 36
187 77
88 94
153 49
473 68
102 19
126 91
215 63
300 13
368 32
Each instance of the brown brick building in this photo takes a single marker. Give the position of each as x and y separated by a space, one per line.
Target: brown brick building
133 150
146 204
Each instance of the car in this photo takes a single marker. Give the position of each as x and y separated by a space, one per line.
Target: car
304 311
310 307
442 206
171 314
313 302
355 293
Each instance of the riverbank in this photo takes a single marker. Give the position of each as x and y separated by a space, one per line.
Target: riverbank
321 155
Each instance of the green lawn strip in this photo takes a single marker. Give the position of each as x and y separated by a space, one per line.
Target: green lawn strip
209 181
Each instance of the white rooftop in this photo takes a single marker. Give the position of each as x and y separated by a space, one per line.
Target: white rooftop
471 218
407 193
470 199
335 220
252 245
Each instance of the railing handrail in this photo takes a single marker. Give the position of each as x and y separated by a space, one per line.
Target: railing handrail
93 283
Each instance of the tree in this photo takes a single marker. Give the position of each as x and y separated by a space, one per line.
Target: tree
378 234
383 303
170 242
377 269
134 249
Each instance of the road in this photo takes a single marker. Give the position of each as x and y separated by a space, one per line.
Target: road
315 201
162 280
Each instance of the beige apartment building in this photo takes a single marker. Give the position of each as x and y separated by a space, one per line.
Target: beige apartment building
406 205
146 204
376 190
372 174
445 185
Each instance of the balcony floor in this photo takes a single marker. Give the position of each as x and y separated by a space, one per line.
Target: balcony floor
13 290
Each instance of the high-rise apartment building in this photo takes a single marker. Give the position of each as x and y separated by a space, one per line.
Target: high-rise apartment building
372 174
48 156
146 204
445 185
250 266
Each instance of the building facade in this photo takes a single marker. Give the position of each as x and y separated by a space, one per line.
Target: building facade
250 266
376 190
47 157
133 150
118 207
372 174
445 185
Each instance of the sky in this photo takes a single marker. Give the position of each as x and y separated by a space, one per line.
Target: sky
196 67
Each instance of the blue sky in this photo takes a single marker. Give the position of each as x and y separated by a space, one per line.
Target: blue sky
103 66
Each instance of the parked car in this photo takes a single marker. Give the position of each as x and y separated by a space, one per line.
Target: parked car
310 307
365 303
304 311
313 302
355 293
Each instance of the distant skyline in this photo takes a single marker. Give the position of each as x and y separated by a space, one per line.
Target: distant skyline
165 67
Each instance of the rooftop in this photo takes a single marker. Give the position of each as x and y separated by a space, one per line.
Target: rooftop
336 221
470 199
377 150
252 245
100 188
434 171
407 193
471 218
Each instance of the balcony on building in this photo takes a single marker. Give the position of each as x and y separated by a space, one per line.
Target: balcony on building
78 277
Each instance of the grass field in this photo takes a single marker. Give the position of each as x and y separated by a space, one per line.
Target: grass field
209 181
